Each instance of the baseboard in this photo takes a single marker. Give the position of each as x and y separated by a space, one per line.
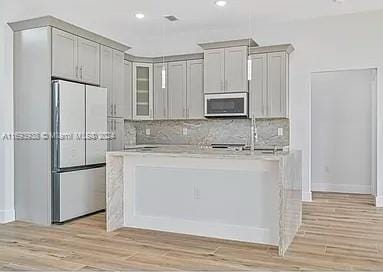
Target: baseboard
7 216
341 188
307 196
379 201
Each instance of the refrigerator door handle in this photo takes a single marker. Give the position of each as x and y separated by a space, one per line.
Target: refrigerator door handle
56 125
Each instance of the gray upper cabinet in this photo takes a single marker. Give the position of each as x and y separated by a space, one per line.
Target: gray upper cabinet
64 55
118 83
258 86
128 92
160 106
277 84
75 58
112 78
225 70
214 70
195 109
89 61
106 75
142 91
236 69
177 90
269 85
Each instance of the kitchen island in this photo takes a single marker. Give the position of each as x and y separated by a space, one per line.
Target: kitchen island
246 196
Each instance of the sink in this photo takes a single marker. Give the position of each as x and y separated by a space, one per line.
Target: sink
141 147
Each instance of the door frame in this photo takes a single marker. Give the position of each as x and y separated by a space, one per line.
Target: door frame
375 119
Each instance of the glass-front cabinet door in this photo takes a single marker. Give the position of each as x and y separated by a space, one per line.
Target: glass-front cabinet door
142 91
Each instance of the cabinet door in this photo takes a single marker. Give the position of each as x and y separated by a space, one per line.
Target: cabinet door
116 127
177 90
236 69
118 84
160 103
214 71
120 134
89 61
106 76
258 86
64 55
194 94
277 84
128 92
142 91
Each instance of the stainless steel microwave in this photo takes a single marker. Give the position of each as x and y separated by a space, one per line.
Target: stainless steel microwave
226 105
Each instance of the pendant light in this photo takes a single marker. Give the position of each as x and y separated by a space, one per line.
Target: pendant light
249 62
163 71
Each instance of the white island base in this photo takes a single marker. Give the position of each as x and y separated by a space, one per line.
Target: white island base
244 197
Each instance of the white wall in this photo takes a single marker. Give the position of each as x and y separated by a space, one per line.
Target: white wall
342 131
6 120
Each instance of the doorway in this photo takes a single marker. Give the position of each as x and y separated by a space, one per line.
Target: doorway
343 131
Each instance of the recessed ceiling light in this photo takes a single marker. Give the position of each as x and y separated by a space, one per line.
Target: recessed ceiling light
140 16
339 1
220 3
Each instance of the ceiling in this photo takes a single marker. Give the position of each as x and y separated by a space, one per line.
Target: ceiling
198 18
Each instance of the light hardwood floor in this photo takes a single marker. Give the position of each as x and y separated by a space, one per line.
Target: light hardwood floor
339 232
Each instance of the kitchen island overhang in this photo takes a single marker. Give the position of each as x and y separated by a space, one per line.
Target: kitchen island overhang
243 196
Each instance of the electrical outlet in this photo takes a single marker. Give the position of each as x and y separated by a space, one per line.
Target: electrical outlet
147 131
197 193
184 131
280 131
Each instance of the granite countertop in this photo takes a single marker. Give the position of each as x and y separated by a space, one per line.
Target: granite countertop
194 151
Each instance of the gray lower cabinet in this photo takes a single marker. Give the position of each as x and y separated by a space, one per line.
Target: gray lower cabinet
112 78
128 90
269 85
160 100
195 93
177 90
214 70
116 129
75 58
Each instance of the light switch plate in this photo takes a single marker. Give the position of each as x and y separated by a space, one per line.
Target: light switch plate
147 131
280 131
184 131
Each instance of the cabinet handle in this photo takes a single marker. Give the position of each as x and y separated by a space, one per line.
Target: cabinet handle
115 111
81 72
111 109
76 71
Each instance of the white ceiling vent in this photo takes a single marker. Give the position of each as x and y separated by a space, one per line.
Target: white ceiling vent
171 18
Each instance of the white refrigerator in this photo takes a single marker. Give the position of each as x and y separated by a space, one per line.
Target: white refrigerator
79 145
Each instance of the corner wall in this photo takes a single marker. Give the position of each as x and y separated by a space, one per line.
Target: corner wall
326 44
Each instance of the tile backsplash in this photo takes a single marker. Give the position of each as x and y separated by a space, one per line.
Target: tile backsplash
206 132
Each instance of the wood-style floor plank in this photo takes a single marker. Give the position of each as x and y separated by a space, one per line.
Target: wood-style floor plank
339 232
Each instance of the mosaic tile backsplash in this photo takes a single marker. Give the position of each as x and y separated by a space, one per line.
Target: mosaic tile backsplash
206 132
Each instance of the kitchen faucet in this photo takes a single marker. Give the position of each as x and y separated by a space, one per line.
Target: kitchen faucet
253 133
